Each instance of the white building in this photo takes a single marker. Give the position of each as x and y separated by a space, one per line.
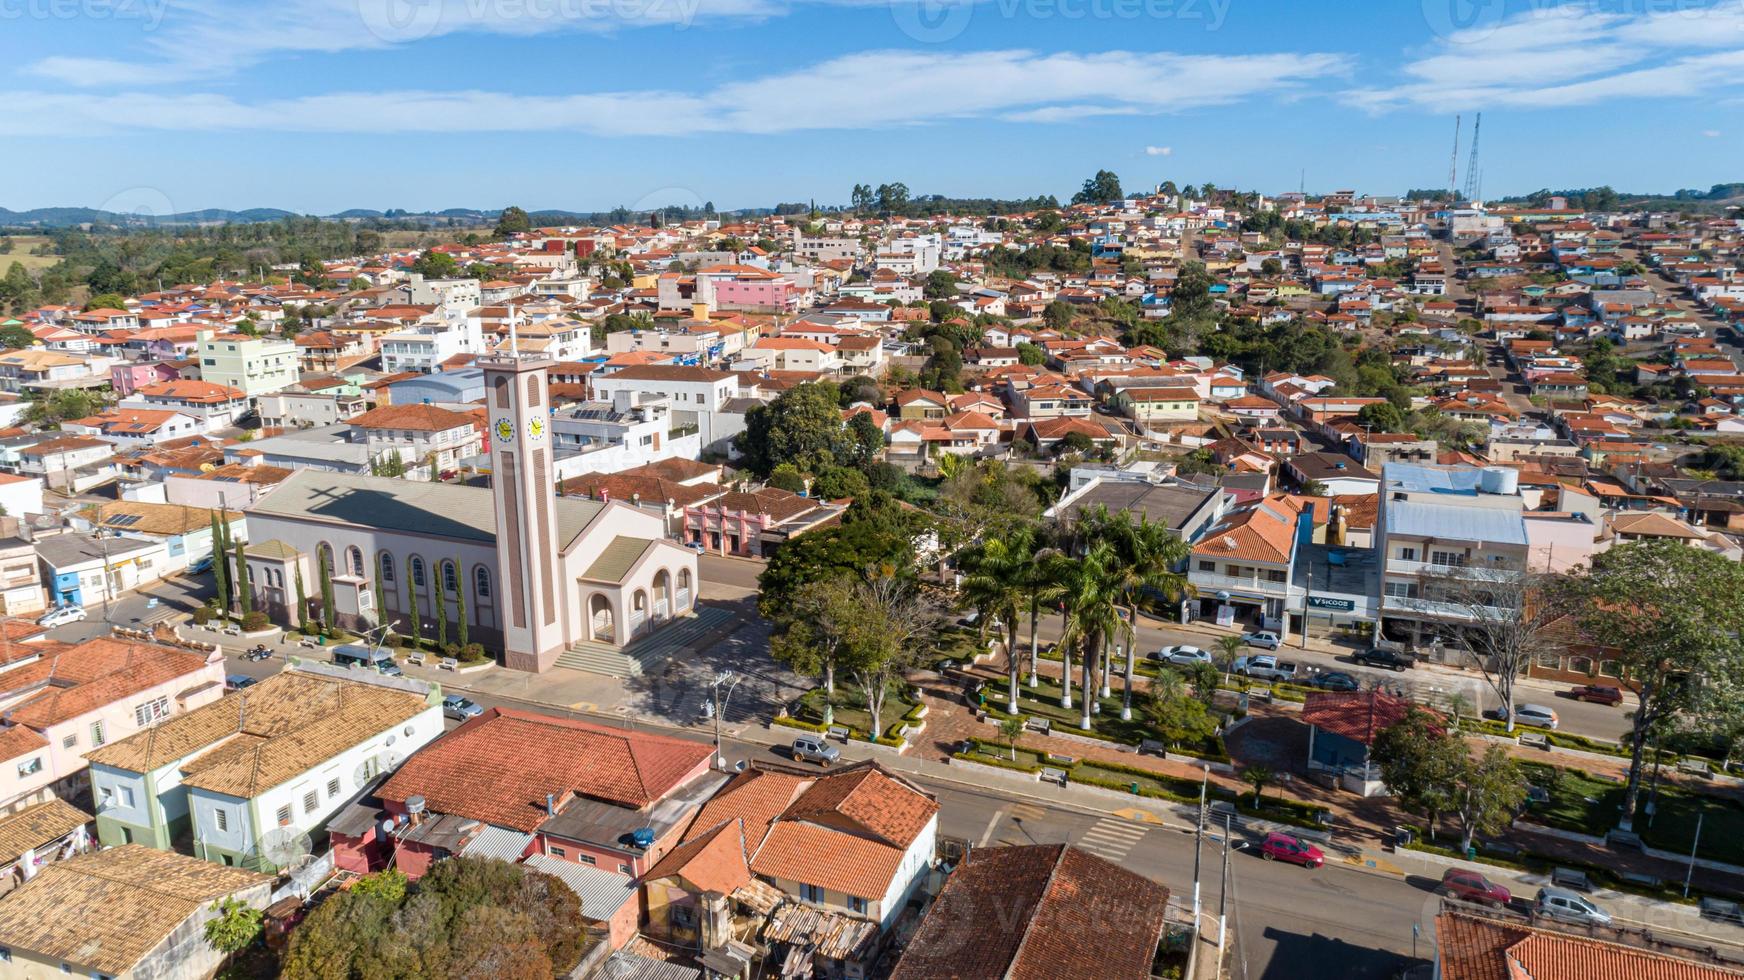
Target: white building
695 393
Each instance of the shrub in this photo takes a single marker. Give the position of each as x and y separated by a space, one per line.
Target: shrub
255 621
473 653
203 615
791 722
310 628
452 650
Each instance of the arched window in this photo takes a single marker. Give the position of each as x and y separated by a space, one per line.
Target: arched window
354 560
324 557
450 578
416 564
387 567
481 581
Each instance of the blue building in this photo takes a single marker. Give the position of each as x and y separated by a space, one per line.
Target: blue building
459 385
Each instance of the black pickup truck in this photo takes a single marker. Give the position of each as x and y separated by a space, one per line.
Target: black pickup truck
1377 657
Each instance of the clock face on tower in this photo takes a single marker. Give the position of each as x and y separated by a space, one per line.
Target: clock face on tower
505 430
535 429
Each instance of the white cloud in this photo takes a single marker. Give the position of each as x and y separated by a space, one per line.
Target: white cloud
1159 151
1561 56
866 90
1712 134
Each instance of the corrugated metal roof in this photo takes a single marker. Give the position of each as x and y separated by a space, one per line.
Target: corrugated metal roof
497 842
625 965
1460 523
602 892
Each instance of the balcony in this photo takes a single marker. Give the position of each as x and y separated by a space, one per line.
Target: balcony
1441 610
1209 583
1477 571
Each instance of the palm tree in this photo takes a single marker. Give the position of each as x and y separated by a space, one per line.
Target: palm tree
997 569
1148 555
1258 777
1230 647
1090 588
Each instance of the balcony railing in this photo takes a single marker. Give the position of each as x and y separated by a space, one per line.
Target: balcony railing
1477 571
1442 610
1208 582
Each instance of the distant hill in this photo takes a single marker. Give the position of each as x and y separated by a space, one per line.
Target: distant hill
70 217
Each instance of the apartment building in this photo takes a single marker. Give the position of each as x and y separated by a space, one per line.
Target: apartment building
1441 532
695 394
251 365
423 435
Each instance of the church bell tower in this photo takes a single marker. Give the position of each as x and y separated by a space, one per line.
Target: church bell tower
521 467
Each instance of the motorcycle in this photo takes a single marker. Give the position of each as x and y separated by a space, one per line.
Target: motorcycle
258 653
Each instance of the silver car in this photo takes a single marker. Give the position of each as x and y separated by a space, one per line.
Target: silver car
813 748
1183 655
1563 905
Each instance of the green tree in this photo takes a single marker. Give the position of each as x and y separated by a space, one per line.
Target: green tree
837 482
220 564
107 301
302 604
1100 189
1259 777
1420 762
811 636
15 337
802 426
412 611
440 588
787 477
460 603
892 623
436 265
380 588
244 590
1178 715
940 284
1669 616
1010 730
1491 790
328 620
995 588
1146 556
1384 417
235 928
512 221
1058 315
1090 589
1031 355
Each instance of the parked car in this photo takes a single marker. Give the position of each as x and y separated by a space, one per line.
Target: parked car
1283 847
1469 886
813 748
459 708
1563 905
1183 655
695 546
1536 715
1377 657
1264 639
61 616
236 682
1597 694
1265 667
1335 681
201 566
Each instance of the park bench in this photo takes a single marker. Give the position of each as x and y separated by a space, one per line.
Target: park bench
1052 775
449 663
1151 746
415 659
309 642
1260 694
1537 740
838 731
1640 880
1039 725
1571 878
1695 767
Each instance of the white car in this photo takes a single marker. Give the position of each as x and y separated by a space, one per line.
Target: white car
1183 655
1266 668
1264 639
61 616
1536 715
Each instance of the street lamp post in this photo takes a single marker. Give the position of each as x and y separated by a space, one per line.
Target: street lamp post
731 680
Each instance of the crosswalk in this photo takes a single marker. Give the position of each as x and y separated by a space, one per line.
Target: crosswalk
1112 838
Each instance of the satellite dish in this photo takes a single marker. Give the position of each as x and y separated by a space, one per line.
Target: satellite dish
284 848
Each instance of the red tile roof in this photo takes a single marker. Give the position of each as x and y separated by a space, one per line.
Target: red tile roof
1040 912
1356 715
1474 948
500 766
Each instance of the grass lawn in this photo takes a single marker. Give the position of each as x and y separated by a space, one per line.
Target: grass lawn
850 707
1582 803
1043 701
21 248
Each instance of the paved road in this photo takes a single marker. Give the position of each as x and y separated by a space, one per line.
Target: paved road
180 593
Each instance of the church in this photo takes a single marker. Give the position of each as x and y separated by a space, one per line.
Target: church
535 572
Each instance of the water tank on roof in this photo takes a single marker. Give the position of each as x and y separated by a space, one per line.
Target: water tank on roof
1499 480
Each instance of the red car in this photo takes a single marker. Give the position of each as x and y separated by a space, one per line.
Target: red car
1469 886
1597 694
1283 847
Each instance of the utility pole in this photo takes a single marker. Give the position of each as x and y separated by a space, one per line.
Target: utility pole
1691 870
1198 844
1223 894
720 703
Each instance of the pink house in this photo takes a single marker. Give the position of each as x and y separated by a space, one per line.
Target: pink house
733 523
771 295
128 377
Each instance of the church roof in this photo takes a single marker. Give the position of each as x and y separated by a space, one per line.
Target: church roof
408 506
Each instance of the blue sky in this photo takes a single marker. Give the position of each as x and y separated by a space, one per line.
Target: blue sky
322 105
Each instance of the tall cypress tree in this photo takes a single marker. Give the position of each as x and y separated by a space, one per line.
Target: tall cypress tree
302 603
326 592
220 566
412 607
381 594
244 593
460 601
441 610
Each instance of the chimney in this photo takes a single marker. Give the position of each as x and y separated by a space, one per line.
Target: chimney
550 807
